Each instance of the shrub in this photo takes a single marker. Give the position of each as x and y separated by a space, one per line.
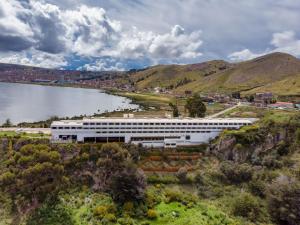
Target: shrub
102 210
165 179
236 173
125 221
246 205
270 161
182 175
176 195
151 214
128 208
110 217
257 187
153 197
283 198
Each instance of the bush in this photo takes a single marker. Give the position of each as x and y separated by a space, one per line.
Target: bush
153 197
257 187
246 205
128 208
102 210
182 175
176 195
151 214
110 217
283 197
270 161
164 179
236 173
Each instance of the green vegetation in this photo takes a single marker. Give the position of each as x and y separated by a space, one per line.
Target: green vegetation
245 177
195 106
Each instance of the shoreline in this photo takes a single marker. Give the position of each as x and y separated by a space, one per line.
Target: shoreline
43 123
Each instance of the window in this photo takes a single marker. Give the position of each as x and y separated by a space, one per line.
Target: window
54 128
85 124
111 124
73 128
67 128
187 137
92 123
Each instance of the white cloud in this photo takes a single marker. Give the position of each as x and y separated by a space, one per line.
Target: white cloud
34 58
243 55
87 32
285 41
104 65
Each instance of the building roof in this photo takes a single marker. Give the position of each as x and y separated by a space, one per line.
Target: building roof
150 120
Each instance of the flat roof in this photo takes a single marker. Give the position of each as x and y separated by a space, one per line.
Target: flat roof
149 120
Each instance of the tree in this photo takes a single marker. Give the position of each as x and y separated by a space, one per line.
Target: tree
195 106
128 185
7 123
174 109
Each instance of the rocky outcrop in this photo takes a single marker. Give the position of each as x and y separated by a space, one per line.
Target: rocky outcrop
252 144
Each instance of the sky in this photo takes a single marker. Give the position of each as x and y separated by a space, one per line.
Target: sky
130 34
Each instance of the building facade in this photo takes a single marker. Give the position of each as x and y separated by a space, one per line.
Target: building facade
150 132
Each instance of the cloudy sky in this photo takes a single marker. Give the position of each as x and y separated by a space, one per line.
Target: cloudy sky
125 34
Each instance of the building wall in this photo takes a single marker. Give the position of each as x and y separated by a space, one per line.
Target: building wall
150 133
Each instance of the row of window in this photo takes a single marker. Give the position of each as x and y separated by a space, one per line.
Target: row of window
138 128
116 124
134 132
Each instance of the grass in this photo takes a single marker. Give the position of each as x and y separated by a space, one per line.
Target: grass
23 134
177 214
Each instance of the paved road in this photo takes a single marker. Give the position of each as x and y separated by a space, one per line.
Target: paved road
224 111
27 130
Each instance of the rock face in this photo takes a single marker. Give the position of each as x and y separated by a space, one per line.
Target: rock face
254 143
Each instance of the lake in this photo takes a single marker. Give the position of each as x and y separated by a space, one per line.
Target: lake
29 103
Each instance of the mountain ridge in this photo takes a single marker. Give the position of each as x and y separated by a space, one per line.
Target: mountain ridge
225 77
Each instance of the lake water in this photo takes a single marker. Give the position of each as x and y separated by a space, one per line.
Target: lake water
28 103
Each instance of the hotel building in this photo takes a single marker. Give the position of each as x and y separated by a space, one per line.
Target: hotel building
150 132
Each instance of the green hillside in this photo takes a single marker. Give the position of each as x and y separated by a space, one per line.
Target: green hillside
277 72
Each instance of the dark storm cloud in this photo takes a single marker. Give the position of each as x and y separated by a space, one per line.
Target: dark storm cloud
11 43
49 37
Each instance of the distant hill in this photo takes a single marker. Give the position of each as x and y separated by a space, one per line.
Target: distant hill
20 73
277 72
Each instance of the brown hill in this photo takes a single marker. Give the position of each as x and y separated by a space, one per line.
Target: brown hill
267 72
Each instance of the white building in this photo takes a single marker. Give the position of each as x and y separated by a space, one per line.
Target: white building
150 132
